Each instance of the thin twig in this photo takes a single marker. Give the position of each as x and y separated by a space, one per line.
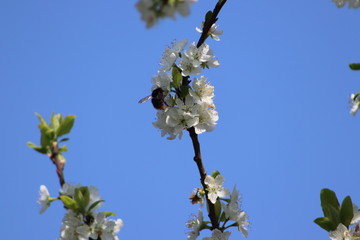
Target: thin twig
193 135
202 172
59 165
209 23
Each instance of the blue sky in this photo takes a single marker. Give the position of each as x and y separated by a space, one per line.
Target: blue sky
282 90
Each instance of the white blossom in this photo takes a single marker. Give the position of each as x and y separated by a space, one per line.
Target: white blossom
202 91
356 217
183 7
196 58
234 213
207 118
354 3
351 3
187 67
195 225
354 101
218 235
152 10
69 190
213 32
165 129
83 232
147 15
162 80
73 227
341 233
94 197
215 188
171 54
104 228
44 198
180 118
198 55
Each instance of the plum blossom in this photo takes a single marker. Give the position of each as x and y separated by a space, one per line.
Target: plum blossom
356 217
195 225
186 106
213 32
234 213
351 3
218 235
207 118
188 67
354 100
215 188
202 90
341 233
200 56
152 10
69 190
74 228
171 54
104 228
164 127
181 118
162 80
147 15
44 198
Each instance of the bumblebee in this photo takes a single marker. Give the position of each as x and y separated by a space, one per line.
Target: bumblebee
157 99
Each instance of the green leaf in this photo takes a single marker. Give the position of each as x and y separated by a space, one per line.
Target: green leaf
82 198
328 197
108 214
94 205
222 217
354 66
55 121
332 213
69 203
325 223
217 206
45 139
66 125
208 16
51 135
184 91
44 129
64 140
176 77
37 148
43 123
63 149
171 2
215 173
346 211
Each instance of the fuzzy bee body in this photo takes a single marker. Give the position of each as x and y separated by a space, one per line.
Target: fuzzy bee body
157 99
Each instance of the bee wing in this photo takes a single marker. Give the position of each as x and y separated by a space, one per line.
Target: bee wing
145 99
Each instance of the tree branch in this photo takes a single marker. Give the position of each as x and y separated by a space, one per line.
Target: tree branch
202 172
193 135
59 164
208 24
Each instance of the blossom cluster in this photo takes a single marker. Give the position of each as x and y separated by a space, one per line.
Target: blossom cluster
348 233
185 105
355 102
81 222
351 3
152 10
230 210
